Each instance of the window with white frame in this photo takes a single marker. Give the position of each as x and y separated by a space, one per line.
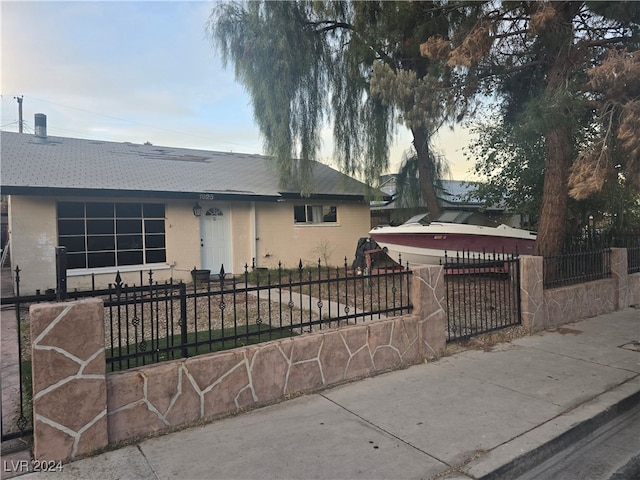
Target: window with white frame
315 214
109 234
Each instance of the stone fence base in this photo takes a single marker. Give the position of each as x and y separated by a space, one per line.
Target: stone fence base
150 399
69 381
78 408
542 309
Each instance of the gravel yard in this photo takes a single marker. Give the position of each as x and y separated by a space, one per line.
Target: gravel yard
302 303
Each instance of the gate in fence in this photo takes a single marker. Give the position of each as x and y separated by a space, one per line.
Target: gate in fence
17 415
482 293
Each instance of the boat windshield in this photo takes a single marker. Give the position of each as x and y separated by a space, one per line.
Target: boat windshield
423 219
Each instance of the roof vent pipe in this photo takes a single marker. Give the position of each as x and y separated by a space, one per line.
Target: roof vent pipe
40 122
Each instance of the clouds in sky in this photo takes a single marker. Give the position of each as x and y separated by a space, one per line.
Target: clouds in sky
130 71
123 71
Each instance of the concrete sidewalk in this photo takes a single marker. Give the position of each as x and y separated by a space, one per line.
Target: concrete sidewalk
474 414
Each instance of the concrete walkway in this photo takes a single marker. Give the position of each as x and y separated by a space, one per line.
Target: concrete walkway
475 414
321 309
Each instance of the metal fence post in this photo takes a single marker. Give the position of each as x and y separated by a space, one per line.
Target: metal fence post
183 319
61 273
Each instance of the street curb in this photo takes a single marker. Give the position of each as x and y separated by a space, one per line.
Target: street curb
531 459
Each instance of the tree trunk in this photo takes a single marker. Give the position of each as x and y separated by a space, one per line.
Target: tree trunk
552 229
425 170
553 214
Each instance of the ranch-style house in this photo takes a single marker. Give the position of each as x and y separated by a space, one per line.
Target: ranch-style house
123 207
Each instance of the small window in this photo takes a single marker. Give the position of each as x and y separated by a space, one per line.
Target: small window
100 210
329 214
128 210
214 212
70 210
315 214
153 210
299 214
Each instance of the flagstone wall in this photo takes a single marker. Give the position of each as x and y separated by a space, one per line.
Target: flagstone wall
79 409
69 381
627 285
549 308
147 400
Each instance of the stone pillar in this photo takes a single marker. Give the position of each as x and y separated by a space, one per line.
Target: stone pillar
534 313
620 275
429 305
634 290
69 379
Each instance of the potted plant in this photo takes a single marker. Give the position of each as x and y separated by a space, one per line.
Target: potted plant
200 275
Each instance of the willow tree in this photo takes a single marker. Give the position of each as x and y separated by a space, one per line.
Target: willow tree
535 57
353 65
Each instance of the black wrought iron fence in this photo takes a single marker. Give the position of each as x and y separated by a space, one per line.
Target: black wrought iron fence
633 259
482 293
594 240
17 413
576 266
156 322
150 322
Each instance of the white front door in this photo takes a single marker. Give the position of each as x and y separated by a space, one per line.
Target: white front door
215 231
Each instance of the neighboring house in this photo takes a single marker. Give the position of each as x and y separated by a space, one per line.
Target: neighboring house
456 207
122 207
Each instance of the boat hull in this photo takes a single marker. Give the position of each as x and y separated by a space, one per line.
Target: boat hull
427 244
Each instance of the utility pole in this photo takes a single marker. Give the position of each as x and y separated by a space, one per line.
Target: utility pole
19 99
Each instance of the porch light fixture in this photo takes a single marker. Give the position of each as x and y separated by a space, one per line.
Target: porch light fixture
197 210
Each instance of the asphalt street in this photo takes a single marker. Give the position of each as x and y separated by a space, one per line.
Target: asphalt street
610 453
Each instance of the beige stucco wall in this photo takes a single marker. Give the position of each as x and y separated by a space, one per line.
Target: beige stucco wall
241 235
34 238
280 239
33 230
182 230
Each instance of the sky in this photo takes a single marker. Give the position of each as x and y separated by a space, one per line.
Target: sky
140 72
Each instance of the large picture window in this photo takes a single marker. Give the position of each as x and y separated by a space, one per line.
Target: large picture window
315 214
100 234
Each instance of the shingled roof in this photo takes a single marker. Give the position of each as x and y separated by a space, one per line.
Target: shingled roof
71 166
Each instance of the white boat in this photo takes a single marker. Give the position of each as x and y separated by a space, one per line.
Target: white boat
419 243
